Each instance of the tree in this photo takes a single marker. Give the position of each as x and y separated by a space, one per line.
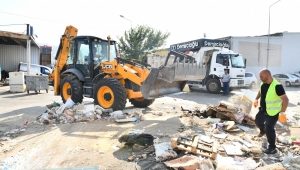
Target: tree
138 41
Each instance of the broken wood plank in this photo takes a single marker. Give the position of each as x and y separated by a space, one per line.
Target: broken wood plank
195 143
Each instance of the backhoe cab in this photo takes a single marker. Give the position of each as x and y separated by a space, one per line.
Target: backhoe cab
88 66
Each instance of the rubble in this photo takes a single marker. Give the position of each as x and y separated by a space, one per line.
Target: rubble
71 112
276 166
196 146
221 139
190 163
164 151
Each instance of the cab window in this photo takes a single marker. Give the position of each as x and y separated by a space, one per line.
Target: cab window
222 59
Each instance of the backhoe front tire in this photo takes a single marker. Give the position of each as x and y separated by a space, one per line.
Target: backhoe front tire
141 102
213 86
71 87
109 93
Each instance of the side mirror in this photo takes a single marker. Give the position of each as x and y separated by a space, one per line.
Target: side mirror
245 62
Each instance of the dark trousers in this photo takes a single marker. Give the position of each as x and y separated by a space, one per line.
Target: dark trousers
266 125
226 88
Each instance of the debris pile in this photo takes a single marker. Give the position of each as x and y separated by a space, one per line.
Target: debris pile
71 112
226 143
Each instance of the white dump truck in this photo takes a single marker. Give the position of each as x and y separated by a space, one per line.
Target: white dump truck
211 57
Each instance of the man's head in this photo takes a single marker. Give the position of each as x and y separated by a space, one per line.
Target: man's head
225 71
265 76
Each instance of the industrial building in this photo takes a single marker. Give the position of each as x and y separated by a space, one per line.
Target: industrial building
14 49
283 55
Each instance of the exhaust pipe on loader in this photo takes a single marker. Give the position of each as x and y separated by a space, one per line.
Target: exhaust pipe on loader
171 79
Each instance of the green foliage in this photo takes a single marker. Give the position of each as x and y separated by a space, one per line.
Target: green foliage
138 41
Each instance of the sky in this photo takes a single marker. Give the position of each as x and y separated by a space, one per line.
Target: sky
184 20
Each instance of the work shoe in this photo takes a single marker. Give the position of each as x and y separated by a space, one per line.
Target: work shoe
260 135
270 151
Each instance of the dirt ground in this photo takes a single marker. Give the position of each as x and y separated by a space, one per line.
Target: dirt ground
93 143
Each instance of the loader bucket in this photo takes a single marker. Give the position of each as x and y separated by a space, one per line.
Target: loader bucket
170 79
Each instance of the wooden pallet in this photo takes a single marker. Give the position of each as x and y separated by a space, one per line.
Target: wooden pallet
196 146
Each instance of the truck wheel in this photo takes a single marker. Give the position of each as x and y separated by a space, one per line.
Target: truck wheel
141 102
213 86
71 87
109 93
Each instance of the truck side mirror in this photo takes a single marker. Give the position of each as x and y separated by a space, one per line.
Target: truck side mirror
245 61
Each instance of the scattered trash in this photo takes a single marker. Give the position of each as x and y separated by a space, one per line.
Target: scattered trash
221 136
283 140
196 146
158 113
140 139
249 145
119 120
232 150
164 151
244 128
229 125
69 103
190 163
205 138
276 166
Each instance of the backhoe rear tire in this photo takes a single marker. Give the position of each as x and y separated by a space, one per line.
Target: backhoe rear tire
141 102
109 93
71 87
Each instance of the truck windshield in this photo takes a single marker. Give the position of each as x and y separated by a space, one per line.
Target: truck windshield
237 61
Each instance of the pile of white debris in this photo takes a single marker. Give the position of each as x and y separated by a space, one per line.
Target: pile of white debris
71 112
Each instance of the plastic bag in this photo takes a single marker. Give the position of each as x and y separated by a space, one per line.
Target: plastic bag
69 103
61 109
164 151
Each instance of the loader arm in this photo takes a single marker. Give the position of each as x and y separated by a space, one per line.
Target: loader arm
124 70
61 57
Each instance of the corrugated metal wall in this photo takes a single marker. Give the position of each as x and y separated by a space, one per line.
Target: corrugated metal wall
12 55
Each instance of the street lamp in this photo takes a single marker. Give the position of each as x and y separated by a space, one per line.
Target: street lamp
130 29
127 19
269 34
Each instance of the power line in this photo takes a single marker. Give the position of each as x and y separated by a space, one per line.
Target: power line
54 21
12 24
29 17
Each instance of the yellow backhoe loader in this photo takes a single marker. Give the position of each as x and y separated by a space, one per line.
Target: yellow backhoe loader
88 66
